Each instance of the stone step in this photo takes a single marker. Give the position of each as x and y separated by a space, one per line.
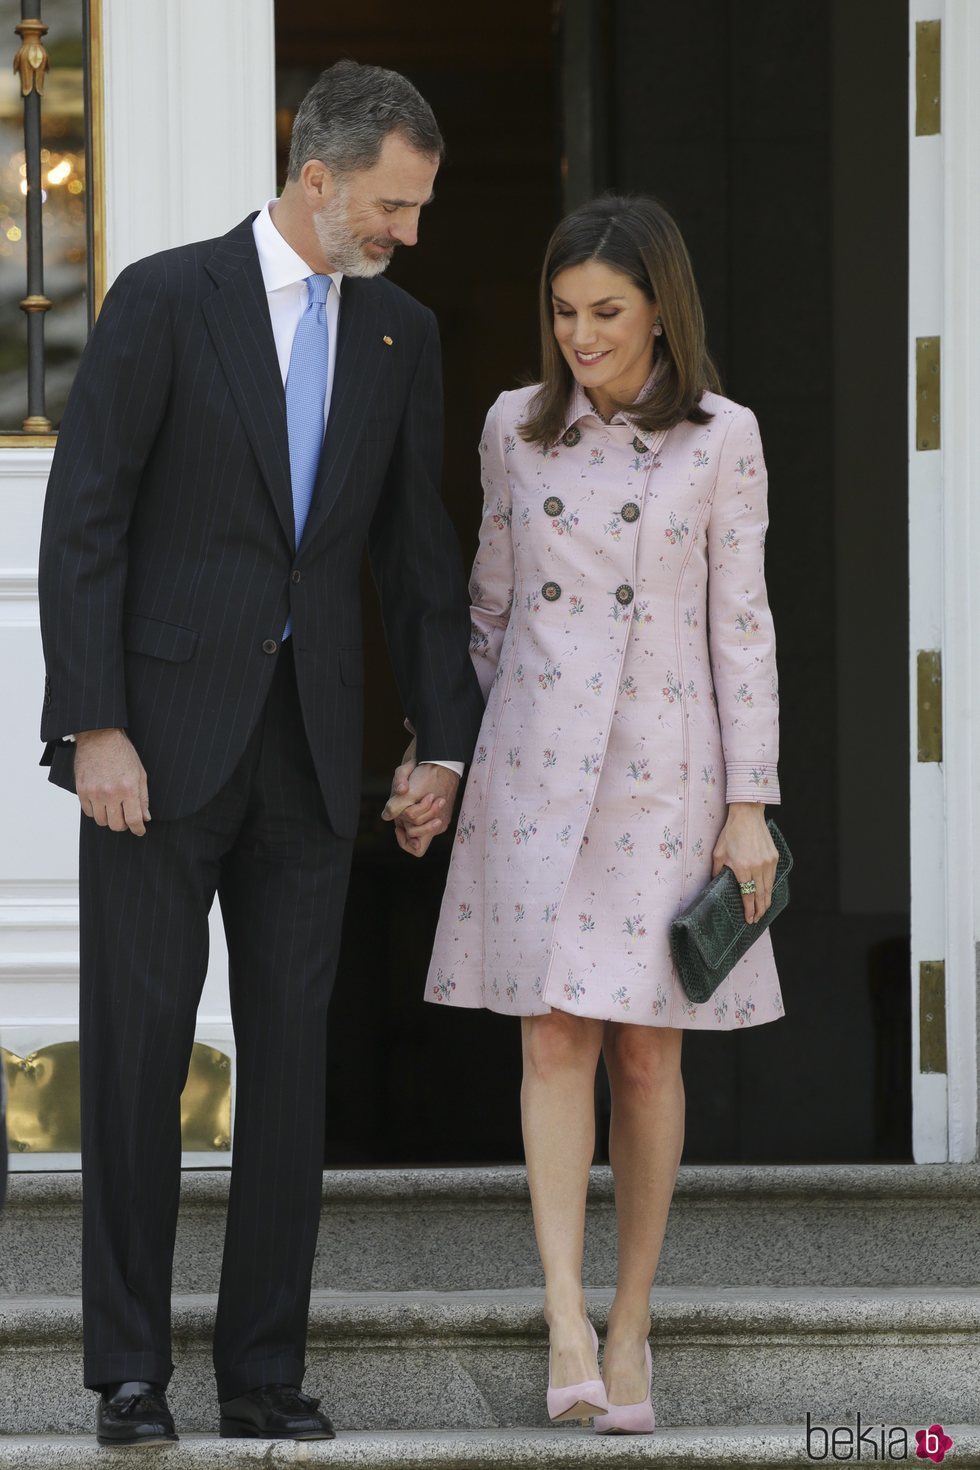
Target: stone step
476 1360
470 1229
748 1447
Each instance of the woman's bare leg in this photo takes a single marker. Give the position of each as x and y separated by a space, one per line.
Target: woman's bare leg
561 1053
646 1137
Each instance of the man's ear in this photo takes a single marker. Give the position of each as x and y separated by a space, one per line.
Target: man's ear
318 183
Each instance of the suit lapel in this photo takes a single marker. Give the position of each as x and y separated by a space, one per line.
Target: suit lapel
360 359
237 316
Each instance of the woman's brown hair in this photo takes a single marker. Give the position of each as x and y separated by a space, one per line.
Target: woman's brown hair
637 236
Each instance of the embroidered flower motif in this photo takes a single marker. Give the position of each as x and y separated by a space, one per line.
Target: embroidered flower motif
590 764
550 451
721 1009
550 758
510 443
628 687
701 458
524 830
518 912
625 844
502 516
633 926
481 755
575 605
597 457
746 622
511 986
465 912
564 835
745 466
574 989
550 913
594 682
672 690
659 1004
743 695
708 776
465 829
532 603
622 997
586 923
698 849
676 530
614 528
671 844
691 617
730 539
744 1009
514 757
551 675
444 987
637 771
759 776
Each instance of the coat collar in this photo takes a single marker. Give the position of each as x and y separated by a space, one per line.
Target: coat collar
580 405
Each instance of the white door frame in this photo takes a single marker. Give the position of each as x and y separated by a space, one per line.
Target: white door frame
944 558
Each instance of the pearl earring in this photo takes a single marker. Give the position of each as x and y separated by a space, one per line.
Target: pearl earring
658 327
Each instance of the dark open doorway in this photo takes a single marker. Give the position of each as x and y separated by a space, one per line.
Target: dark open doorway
776 132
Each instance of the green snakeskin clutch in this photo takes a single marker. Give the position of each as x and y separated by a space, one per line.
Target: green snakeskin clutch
709 938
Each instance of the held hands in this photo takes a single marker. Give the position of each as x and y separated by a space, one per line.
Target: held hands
421 802
111 782
746 847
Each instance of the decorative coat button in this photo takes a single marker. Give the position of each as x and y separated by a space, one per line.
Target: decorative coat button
551 591
269 646
571 437
639 445
553 506
630 511
624 594
296 576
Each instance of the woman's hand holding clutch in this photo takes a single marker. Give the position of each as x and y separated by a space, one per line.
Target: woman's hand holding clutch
746 847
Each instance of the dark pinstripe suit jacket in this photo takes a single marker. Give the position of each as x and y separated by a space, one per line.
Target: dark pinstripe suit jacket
167 552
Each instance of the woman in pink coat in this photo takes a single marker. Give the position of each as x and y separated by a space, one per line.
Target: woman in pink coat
623 638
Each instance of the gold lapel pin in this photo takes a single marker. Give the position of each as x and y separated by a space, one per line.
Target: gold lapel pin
388 342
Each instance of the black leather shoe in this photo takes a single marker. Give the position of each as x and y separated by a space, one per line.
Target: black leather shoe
134 1413
277 1411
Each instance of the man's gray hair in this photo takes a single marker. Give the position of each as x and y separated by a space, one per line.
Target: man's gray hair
349 111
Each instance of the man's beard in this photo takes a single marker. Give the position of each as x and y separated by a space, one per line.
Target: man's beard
342 249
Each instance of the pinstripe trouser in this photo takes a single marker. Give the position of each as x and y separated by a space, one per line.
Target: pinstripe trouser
264 845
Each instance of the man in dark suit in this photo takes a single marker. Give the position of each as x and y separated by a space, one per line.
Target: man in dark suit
200 615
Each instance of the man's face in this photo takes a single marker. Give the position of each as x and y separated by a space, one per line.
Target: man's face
374 210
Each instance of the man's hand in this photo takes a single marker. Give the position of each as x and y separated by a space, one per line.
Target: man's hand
421 803
111 782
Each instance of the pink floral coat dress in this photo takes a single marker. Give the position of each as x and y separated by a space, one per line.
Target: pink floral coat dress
622 635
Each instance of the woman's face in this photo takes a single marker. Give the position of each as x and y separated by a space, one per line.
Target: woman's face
604 327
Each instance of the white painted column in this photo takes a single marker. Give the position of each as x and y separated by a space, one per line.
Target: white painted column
190 150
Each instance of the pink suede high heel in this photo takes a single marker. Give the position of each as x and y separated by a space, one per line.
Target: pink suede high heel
577 1400
631 1418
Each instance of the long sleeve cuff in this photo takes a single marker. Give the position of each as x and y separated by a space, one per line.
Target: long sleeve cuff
746 781
456 766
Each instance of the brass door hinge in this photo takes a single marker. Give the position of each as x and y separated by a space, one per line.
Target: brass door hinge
928 77
927 419
932 1016
929 704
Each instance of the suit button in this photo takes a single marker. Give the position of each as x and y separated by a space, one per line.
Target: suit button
551 591
630 511
270 645
639 445
571 437
47 699
624 594
295 577
553 506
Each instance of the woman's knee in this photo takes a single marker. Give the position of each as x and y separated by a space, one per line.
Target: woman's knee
642 1060
557 1042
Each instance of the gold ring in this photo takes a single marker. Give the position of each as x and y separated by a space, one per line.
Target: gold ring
748 886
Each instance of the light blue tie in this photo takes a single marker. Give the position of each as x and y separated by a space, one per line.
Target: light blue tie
306 391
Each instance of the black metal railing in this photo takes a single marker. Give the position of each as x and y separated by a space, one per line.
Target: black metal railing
31 63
